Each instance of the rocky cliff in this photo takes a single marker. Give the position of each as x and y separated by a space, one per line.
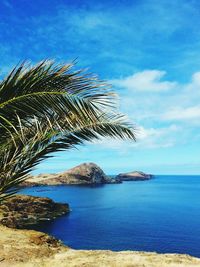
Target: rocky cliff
86 173
21 210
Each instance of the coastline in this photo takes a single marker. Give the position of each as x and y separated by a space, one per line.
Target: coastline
28 248
21 211
22 247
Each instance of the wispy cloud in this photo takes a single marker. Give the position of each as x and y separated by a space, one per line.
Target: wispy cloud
167 113
147 80
147 95
146 35
147 138
183 114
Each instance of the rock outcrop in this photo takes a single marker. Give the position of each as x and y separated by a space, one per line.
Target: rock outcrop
20 246
21 210
134 176
86 173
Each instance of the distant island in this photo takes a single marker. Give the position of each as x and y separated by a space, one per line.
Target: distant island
134 176
84 174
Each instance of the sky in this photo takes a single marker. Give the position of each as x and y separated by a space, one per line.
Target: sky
149 50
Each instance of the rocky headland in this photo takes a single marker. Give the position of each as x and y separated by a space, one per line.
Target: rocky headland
83 174
134 176
21 211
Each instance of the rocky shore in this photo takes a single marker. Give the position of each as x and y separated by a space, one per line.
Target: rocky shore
21 211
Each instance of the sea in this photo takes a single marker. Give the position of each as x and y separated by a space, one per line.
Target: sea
158 215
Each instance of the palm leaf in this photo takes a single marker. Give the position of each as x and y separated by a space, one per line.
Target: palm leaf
49 108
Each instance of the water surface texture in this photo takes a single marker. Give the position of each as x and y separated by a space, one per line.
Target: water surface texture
162 215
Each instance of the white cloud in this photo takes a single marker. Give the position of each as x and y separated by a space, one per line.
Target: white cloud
164 120
180 103
157 137
196 78
149 138
147 80
144 133
182 114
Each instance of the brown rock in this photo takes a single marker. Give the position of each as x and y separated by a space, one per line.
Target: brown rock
86 173
21 210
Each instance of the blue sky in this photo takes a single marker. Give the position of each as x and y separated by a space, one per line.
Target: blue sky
149 50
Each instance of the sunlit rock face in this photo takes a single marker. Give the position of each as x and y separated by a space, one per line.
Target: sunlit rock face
86 173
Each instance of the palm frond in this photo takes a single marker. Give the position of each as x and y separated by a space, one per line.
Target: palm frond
49 108
49 77
48 89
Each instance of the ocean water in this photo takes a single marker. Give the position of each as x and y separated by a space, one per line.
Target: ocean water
162 215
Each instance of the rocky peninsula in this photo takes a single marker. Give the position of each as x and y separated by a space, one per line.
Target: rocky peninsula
84 174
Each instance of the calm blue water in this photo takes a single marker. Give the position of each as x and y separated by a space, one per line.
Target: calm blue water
161 215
